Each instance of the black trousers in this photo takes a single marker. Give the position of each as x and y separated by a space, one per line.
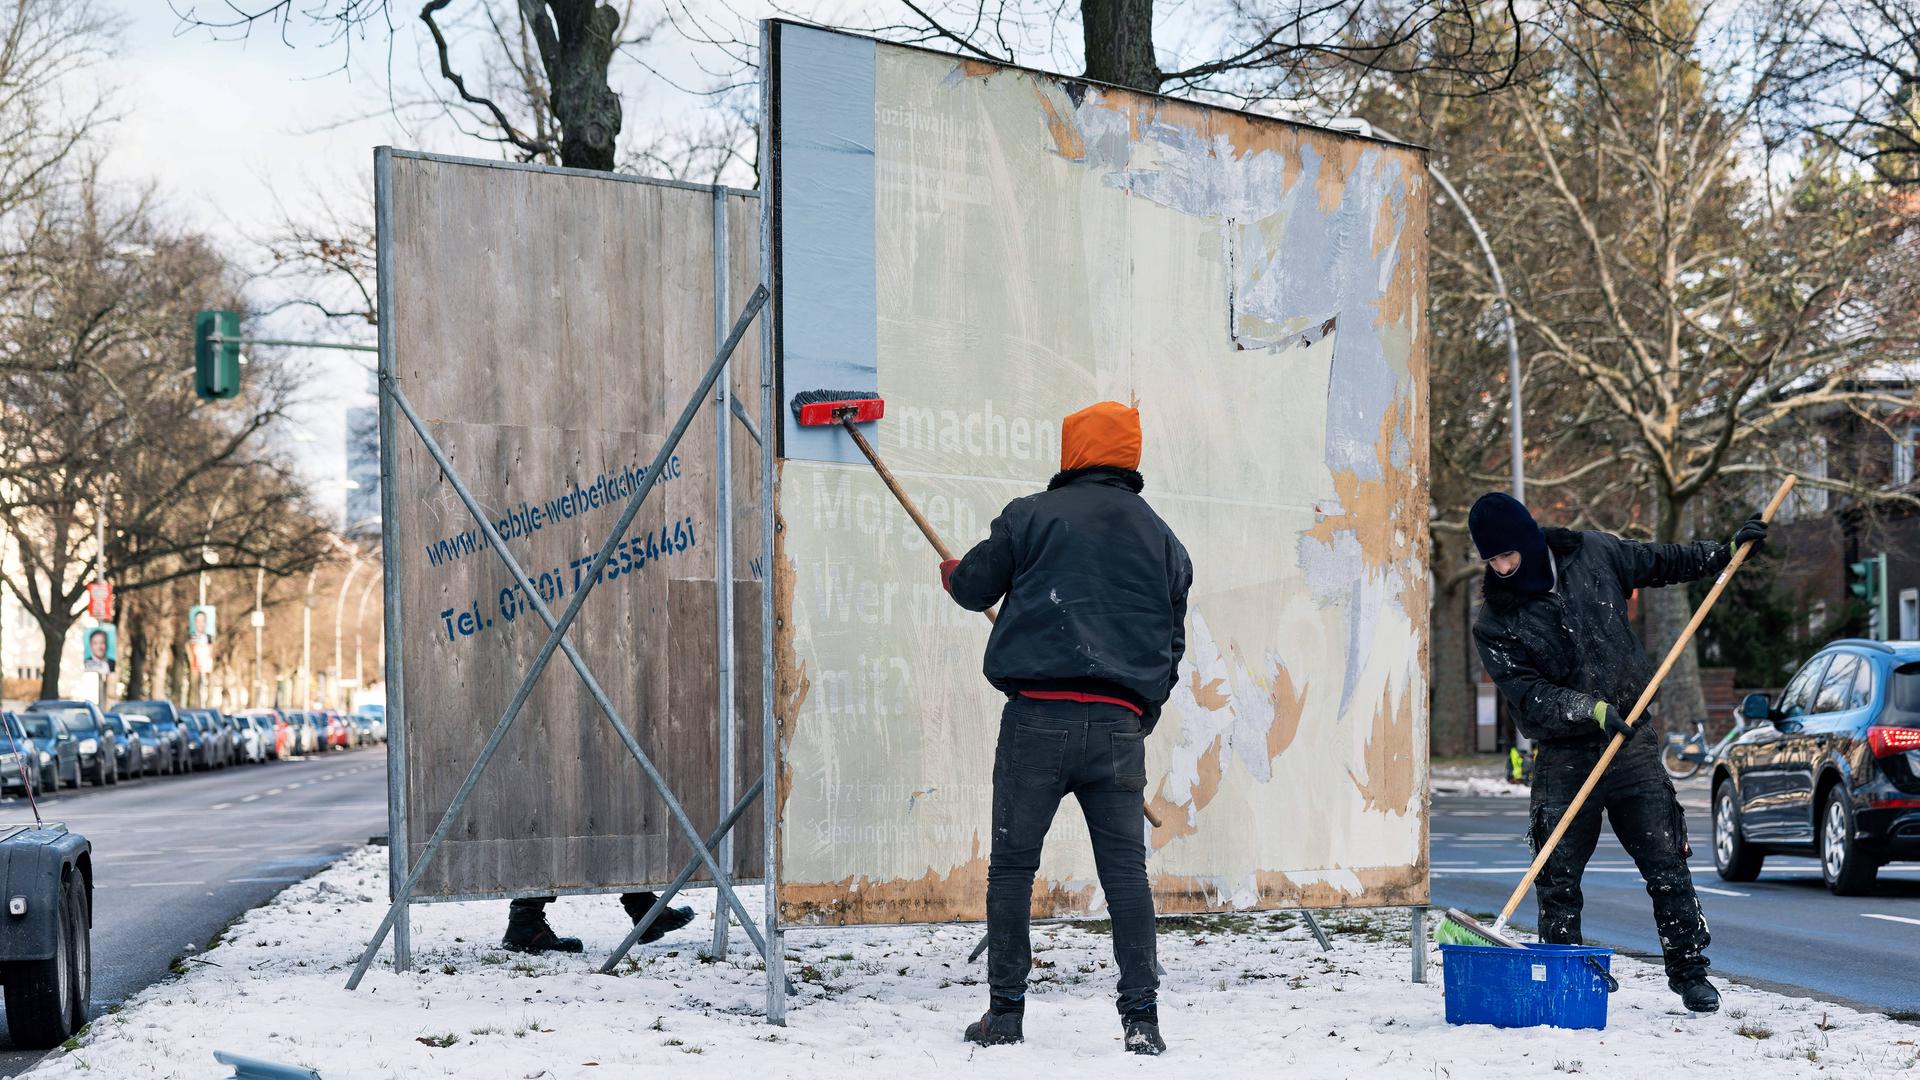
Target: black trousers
535 907
1639 802
1097 753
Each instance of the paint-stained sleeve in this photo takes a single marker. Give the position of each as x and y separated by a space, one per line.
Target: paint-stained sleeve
1182 582
1654 566
1542 709
986 572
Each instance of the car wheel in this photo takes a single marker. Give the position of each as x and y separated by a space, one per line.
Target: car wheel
1733 857
40 993
1848 870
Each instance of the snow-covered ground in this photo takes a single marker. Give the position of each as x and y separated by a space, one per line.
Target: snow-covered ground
1245 995
1479 785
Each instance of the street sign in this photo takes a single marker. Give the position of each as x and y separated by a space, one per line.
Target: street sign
258 618
100 600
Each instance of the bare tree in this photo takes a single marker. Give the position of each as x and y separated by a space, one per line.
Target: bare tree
102 421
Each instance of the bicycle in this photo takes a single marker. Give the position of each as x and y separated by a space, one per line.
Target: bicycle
1685 755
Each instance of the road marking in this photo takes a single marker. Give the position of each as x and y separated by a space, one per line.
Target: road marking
290 787
248 798
159 884
1718 892
251 880
275 791
220 806
1891 918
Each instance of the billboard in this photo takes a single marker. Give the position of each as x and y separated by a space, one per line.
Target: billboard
993 248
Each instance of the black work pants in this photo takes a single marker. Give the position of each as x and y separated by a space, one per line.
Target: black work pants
1097 753
1646 816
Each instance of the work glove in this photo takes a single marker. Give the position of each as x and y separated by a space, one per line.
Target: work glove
1755 531
946 573
1614 722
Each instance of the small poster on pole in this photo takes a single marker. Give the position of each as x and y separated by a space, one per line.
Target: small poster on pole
102 649
202 624
100 600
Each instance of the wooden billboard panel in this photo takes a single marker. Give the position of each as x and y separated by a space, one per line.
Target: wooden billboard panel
549 326
1035 244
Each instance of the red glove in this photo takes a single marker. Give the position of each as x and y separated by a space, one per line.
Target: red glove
946 573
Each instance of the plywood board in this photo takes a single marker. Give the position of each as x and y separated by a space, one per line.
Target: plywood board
1039 244
549 326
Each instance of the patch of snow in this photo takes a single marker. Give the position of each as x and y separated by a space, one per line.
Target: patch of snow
1245 995
1478 785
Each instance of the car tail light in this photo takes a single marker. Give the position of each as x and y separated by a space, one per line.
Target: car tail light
1888 741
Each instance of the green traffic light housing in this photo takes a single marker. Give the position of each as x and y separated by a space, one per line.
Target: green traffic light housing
216 354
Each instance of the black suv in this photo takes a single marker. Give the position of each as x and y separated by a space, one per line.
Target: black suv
1832 772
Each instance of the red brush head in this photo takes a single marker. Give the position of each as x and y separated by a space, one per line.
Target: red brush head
819 413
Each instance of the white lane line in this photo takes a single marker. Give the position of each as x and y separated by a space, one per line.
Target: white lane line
1891 918
158 884
220 806
1718 892
248 798
272 880
275 791
290 787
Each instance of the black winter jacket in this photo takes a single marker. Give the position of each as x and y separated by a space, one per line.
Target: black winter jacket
1554 656
1095 586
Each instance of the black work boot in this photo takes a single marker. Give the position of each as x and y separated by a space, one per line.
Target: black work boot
673 918
1000 1025
528 932
1696 993
1140 1030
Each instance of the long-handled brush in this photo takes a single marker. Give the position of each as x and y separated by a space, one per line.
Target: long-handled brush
820 408
1459 929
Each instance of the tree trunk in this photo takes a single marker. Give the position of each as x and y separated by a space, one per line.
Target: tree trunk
53 632
1454 703
1119 43
133 651
587 108
1680 701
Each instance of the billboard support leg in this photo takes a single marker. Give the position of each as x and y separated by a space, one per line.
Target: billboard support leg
1419 943
391 615
686 873
1319 935
722 560
557 639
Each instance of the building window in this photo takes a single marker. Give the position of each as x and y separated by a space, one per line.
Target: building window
1909 614
1816 618
1903 455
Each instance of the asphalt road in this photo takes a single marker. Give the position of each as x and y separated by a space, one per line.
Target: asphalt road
1784 932
176 859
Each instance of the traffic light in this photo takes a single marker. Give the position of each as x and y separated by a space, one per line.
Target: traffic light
1866 581
216 364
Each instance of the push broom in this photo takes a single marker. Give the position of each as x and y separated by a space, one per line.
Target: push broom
823 408
1459 928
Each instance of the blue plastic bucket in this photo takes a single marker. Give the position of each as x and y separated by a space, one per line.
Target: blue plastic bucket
1553 985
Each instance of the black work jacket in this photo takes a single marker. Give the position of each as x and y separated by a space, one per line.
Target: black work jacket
1555 656
1095 588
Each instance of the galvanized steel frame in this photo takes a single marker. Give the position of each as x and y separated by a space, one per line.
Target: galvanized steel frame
709 851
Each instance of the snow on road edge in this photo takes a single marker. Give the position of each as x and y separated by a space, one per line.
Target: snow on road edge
1245 995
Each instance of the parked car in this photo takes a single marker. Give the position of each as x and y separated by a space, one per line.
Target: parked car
363 728
19 762
1832 771
168 726
155 754
219 748
58 752
375 717
247 740
273 730
340 734
88 725
129 760
316 735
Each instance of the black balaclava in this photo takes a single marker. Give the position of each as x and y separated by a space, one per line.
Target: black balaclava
1500 523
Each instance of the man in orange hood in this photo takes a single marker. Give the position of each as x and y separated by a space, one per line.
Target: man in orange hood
1086 649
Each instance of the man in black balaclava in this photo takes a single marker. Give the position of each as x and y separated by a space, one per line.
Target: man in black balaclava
1554 635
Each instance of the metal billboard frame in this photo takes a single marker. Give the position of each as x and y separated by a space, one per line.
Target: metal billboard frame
710 850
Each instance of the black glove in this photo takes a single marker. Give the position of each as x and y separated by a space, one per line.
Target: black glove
1754 532
1614 722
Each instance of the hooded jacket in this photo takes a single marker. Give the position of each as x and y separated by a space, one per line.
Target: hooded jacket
1555 655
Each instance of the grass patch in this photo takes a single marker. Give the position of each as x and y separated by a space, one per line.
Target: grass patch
438 1041
1754 1030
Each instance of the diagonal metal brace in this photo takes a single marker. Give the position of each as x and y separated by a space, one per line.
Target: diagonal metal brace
556 637
686 874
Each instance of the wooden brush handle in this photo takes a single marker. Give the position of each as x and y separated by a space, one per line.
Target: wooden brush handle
886 476
1639 707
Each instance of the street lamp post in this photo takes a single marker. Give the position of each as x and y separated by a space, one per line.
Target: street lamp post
359 634
306 643
339 618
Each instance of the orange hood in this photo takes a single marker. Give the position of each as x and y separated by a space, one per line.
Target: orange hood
1104 434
